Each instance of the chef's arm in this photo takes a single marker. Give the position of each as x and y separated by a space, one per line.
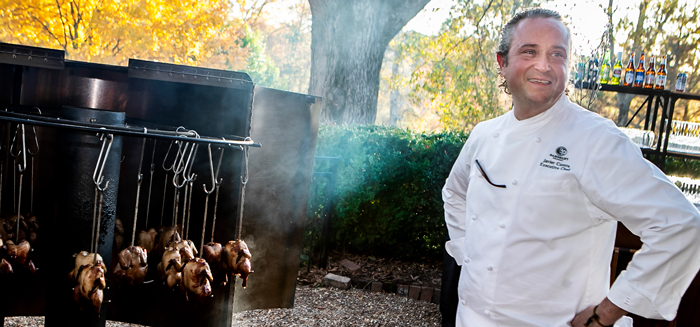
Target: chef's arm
606 313
620 182
454 194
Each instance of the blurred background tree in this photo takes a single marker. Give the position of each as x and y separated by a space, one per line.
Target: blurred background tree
174 31
441 80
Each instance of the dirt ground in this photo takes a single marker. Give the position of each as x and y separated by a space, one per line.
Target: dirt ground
426 273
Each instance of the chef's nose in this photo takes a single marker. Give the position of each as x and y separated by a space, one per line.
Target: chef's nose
542 63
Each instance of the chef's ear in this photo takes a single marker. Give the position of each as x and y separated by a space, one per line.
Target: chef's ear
502 61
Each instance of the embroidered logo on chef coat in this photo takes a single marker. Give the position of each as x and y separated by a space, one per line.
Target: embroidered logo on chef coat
561 151
556 160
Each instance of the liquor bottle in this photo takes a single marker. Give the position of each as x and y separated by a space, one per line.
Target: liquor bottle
605 70
639 73
629 72
650 75
661 75
617 70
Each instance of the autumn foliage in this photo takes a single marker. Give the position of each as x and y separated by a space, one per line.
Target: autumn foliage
197 33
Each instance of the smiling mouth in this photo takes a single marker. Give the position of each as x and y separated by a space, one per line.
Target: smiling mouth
539 81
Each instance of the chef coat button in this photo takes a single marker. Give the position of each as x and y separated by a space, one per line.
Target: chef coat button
466 260
464 302
473 217
495 135
538 140
515 182
502 225
489 268
487 312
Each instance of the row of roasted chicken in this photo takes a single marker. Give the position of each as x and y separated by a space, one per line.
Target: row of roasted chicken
181 268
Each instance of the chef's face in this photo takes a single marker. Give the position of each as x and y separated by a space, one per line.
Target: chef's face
537 68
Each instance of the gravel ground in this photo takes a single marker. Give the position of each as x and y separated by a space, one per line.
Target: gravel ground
320 307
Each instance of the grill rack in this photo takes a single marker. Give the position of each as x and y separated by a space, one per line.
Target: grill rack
179 134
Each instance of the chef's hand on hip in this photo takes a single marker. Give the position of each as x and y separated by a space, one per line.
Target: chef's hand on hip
608 313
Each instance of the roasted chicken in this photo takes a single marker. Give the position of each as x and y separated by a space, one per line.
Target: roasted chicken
211 252
196 279
29 228
91 283
235 260
19 255
164 237
131 266
169 269
84 258
8 227
147 239
185 247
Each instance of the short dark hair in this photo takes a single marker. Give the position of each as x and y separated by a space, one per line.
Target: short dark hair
507 32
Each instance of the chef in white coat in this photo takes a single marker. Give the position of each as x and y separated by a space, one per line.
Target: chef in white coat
533 200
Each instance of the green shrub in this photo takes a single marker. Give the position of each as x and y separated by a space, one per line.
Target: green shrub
387 190
682 167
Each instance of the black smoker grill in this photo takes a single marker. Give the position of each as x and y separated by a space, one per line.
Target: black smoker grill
72 104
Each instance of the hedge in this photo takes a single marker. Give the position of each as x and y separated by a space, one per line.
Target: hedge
387 191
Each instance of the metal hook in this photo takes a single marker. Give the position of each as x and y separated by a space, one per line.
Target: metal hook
36 140
139 179
97 178
24 146
189 206
213 177
178 166
21 167
166 156
186 169
143 149
244 180
189 175
218 166
150 183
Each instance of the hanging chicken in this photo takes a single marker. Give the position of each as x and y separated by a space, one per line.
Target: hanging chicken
169 268
185 247
231 259
18 255
211 252
29 228
235 259
147 239
8 227
88 272
196 279
132 266
91 283
83 258
164 237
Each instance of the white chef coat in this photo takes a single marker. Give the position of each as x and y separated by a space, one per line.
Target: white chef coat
538 251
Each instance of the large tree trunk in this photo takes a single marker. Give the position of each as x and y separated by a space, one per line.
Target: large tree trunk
348 40
623 103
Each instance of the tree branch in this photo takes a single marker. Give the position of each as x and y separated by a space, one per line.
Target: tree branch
63 25
478 22
46 28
